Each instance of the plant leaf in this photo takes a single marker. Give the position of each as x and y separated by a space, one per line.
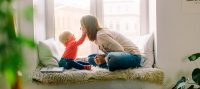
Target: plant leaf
194 57
10 75
26 41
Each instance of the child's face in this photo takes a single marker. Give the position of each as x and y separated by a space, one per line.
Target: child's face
99 59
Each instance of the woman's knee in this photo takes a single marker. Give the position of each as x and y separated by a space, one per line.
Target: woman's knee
118 56
112 55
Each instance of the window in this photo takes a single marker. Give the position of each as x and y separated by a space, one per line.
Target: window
67 18
125 14
128 17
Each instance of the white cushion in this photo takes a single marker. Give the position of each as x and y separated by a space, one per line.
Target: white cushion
48 52
145 45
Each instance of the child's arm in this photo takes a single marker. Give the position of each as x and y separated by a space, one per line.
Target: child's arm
81 40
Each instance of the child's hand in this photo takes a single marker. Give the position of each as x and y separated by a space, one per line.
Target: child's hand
82 59
85 59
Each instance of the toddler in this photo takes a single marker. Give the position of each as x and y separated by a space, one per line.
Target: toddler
68 59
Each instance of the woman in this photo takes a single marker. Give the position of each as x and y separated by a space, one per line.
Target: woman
109 41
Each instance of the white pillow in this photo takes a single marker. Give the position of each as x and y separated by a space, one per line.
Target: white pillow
145 45
48 52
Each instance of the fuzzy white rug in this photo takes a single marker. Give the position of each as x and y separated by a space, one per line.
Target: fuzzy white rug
153 75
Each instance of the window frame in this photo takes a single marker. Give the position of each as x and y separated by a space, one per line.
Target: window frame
49 19
96 9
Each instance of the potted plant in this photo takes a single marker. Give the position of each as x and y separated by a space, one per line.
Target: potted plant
194 57
180 84
196 71
11 57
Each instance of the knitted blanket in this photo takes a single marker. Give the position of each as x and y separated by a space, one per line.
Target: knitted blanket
153 75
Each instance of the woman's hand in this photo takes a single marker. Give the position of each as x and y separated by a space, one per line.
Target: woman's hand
99 59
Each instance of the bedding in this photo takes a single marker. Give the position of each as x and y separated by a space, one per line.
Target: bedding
153 75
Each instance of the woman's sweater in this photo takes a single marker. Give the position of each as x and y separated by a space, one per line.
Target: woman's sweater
111 41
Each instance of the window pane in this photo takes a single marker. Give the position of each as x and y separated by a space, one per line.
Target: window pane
123 16
67 18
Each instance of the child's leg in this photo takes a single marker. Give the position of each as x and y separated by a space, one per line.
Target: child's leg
69 63
83 63
91 59
64 63
79 66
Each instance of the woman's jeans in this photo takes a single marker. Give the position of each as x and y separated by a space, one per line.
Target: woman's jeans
69 63
119 60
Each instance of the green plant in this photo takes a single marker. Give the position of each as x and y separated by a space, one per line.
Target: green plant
196 71
194 57
11 43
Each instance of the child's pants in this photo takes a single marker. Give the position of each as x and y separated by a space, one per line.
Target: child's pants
69 63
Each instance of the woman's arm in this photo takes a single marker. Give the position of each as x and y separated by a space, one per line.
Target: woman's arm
109 44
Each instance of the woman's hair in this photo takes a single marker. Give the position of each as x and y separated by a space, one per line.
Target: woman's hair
91 25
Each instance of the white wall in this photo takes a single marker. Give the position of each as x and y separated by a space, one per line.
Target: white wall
178 36
33 29
26 29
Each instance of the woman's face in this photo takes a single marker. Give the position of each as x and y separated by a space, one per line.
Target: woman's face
83 29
